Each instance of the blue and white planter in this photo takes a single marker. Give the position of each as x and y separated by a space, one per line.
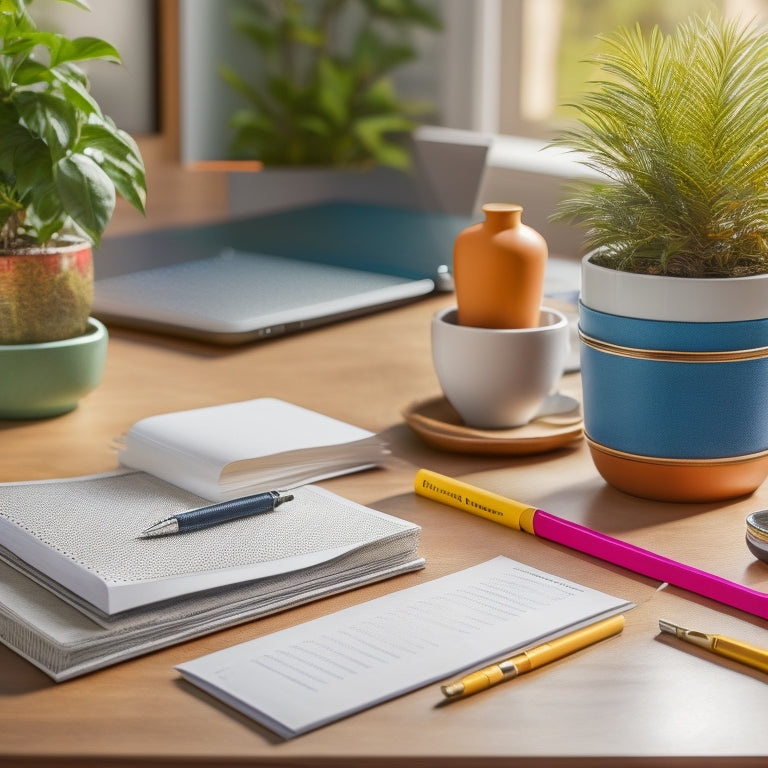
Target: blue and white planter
675 379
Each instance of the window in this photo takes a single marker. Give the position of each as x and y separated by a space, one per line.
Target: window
517 63
128 93
543 44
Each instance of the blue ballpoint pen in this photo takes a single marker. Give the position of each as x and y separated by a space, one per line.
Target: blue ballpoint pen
217 513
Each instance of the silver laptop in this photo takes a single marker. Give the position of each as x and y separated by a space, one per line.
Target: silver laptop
255 278
276 268
234 296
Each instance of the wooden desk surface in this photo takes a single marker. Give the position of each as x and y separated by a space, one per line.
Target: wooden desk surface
637 699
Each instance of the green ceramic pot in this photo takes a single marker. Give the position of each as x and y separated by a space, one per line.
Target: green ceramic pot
49 378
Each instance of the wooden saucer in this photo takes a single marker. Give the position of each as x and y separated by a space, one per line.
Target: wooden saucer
438 424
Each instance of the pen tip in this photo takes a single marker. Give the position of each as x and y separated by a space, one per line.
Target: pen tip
452 690
160 528
668 626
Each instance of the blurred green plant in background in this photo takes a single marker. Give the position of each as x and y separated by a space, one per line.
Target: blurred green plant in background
321 93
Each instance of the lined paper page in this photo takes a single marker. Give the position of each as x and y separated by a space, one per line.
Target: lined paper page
306 676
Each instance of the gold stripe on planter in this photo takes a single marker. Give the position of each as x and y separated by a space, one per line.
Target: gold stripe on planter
675 462
728 356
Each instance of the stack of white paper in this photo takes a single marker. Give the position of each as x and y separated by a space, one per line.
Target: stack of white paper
235 449
87 591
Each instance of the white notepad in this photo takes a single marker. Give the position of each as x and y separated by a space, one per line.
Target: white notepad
301 678
233 449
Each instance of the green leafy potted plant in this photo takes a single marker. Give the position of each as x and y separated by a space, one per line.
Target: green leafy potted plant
674 289
62 162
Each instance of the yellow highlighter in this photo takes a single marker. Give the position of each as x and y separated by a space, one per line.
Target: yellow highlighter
533 658
737 650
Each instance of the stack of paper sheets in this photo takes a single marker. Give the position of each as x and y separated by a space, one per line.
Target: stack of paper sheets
80 591
234 449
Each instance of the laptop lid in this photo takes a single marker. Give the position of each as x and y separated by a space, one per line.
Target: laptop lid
258 277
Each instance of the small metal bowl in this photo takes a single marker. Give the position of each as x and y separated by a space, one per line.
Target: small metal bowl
757 534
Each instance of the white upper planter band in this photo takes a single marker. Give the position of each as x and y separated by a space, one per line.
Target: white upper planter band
680 299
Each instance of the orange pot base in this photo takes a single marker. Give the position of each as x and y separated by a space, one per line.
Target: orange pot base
680 480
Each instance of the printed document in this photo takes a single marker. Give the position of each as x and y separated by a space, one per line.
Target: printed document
309 675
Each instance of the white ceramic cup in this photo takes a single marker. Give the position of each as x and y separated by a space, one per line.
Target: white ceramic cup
499 378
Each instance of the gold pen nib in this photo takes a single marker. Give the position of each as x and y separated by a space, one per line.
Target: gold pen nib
670 628
688 635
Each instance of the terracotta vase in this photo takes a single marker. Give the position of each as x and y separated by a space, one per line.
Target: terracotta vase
45 293
499 267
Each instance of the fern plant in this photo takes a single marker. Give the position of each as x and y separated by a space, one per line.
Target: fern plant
320 92
679 129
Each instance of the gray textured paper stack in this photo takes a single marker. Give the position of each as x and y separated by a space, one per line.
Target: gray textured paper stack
71 557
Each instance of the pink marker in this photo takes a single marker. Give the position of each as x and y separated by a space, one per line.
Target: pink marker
577 537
